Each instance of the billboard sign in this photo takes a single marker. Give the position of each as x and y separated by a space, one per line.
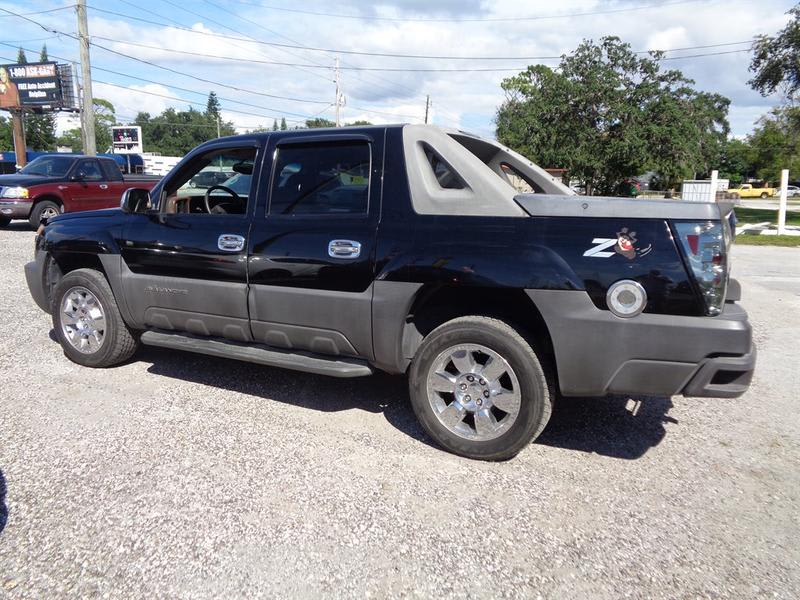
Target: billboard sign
32 85
126 139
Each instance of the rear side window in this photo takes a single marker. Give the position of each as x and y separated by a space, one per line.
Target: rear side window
321 179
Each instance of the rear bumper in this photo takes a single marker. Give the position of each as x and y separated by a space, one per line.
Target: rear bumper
15 209
598 353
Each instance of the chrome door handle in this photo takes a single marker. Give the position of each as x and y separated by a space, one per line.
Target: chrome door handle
230 242
344 249
103 186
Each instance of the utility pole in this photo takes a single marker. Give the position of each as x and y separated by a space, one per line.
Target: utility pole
340 101
218 128
427 107
87 105
18 131
79 90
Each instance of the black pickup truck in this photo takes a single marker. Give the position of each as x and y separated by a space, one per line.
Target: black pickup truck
413 250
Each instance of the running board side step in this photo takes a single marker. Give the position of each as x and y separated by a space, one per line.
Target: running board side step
334 366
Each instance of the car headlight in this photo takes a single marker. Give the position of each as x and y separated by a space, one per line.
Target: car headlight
15 192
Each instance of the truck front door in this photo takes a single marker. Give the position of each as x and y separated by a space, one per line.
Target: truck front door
184 265
311 260
87 186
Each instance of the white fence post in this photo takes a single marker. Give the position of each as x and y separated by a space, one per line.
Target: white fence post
782 209
713 193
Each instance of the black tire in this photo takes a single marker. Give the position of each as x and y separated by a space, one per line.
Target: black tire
502 338
4 221
764 195
40 207
119 341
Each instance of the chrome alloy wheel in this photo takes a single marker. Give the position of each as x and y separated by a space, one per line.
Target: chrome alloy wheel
49 213
474 392
83 320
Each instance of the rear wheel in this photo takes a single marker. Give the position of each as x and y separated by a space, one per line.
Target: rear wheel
4 221
764 195
46 209
87 321
478 388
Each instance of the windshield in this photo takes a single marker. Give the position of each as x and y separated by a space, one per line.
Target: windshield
50 166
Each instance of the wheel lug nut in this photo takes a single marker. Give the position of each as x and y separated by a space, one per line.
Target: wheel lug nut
468 398
463 386
481 381
470 378
486 393
479 402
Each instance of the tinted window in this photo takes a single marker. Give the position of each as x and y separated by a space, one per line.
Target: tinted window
517 180
444 174
321 179
111 170
90 170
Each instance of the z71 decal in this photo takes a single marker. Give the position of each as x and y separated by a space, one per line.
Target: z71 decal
624 244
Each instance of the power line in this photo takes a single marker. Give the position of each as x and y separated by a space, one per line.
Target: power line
38 12
332 50
467 20
413 70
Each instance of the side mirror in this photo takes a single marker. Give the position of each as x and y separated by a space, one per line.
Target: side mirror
135 200
79 176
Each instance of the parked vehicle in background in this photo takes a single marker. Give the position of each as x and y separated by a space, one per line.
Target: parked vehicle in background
792 190
406 249
56 183
746 190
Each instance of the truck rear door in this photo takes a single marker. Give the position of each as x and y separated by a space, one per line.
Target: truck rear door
311 257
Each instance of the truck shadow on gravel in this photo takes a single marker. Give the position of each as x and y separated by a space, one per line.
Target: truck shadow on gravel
20 226
614 426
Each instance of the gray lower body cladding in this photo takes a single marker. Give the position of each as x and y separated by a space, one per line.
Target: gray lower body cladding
598 353
12 209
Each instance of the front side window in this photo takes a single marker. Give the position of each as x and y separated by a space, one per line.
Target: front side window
218 182
321 178
89 170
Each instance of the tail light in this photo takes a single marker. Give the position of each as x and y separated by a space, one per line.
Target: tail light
706 246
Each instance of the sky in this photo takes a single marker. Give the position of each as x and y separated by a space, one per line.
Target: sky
255 53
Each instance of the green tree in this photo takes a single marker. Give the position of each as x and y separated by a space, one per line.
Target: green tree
21 58
71 139
357 124
275 125
104 118
283 124
319 122
775 144
6 135
40 129
776 59
607 114
736 161
175 132
213 107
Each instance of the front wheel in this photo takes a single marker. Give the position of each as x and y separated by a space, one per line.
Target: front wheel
764 195
46 209
87 321
478 388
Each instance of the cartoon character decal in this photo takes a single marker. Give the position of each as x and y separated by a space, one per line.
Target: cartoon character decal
624 244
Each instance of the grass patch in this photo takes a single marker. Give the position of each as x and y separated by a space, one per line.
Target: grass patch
789 241
761 215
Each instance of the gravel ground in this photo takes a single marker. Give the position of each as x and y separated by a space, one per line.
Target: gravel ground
183 476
